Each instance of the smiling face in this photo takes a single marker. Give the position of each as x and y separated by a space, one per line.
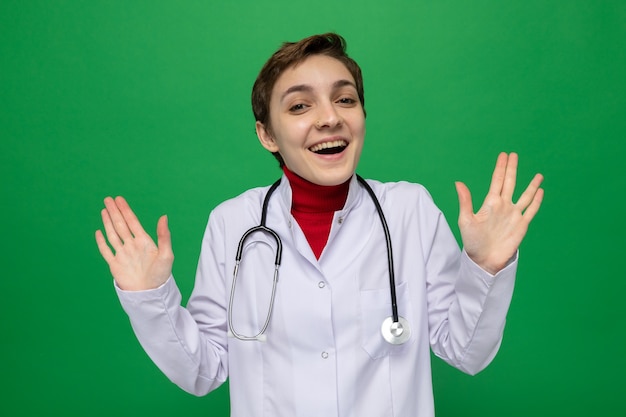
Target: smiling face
317 123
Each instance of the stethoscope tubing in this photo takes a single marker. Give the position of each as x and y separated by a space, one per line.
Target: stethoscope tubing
392 275
279 253
395 329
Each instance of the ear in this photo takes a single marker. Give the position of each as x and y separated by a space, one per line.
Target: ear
266 139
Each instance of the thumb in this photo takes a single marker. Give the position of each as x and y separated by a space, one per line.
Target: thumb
465 200
164 237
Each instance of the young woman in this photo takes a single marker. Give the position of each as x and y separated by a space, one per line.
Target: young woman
347 285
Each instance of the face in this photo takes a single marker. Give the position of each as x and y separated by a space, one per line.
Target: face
317 122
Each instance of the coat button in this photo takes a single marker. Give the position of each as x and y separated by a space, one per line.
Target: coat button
321 284
324 355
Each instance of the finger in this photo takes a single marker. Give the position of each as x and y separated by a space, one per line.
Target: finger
510 177
533 208
112 235
129 216
117 219
164 237
466 208
104 249
497 178
529 193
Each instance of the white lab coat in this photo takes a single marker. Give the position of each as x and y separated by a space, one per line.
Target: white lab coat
324 354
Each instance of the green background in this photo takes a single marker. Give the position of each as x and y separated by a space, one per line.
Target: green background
150 100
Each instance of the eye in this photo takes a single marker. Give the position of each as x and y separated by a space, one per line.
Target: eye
347 101
297 108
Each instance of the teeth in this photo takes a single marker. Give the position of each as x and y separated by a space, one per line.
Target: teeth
326 145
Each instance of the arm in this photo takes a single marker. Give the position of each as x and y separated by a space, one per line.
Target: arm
193 359
467 306
469 299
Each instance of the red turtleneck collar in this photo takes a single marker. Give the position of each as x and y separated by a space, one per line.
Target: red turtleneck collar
313 206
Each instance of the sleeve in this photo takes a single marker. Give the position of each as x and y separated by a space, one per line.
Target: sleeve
467 306
187 344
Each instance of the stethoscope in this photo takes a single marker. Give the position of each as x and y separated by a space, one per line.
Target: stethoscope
394 329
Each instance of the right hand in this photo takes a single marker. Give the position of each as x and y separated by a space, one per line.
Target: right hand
136 263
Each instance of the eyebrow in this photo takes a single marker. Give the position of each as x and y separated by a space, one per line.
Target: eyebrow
307 88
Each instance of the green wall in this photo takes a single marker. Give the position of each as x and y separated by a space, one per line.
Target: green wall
150 100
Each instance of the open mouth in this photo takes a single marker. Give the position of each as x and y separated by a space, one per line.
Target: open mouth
329 148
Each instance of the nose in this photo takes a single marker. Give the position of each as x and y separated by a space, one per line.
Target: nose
328 117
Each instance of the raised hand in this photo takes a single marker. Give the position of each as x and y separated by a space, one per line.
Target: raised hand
492 235
136 262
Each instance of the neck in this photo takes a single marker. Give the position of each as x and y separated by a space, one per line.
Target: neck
313 206
313 198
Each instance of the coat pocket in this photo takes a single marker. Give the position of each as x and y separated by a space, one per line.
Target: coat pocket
375 308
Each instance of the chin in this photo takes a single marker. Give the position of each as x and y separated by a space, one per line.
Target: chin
331 180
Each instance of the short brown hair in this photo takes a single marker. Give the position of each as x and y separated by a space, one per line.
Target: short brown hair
293 53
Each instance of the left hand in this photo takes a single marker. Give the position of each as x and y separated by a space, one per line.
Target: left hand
492 235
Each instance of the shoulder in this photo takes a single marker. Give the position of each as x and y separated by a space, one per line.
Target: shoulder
400 191
405 200
230 219
245 203
409 206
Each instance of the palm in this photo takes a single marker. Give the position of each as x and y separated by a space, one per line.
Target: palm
136 262
492 235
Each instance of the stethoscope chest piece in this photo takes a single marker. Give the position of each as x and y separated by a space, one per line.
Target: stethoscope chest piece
397 332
